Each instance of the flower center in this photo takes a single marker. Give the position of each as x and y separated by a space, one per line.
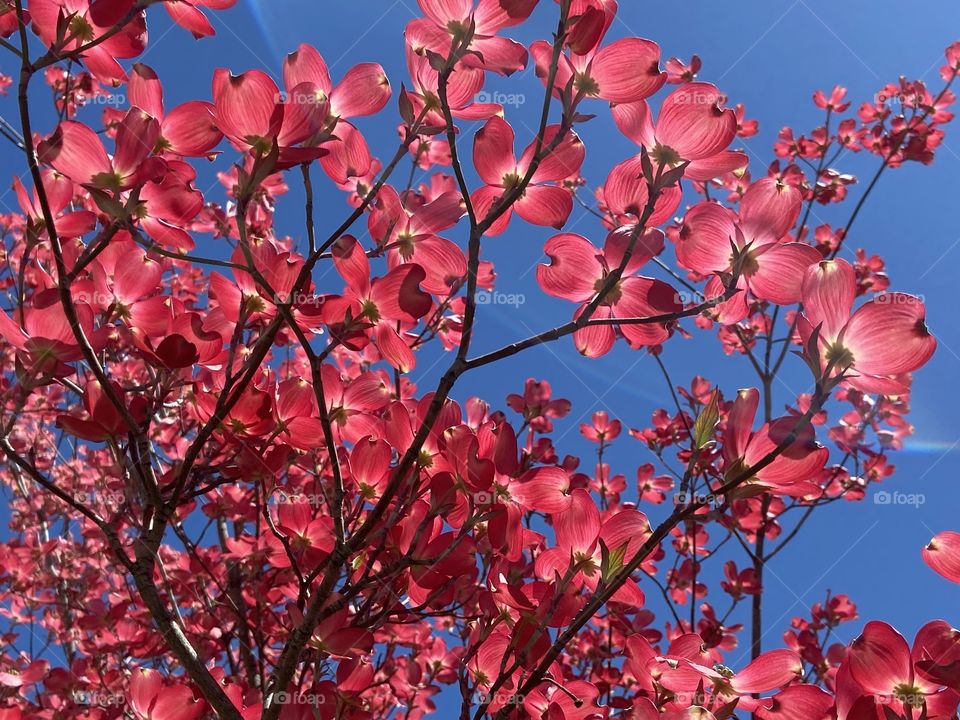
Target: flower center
665 155
585 84
839 356
613 296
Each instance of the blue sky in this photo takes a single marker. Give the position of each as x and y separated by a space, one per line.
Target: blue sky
771 55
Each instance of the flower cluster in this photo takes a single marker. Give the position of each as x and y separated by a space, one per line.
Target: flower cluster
233 492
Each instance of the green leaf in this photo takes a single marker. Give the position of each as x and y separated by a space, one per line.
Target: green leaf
405 106
706 424
611 560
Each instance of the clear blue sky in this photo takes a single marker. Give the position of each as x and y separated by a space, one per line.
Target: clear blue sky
771 55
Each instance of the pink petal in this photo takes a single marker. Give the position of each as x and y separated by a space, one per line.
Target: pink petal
630 594
626 529
188 17
500 55
167 235
646 297
145 686
595 340
443 212
424 36
443 11
248 106
768 210
544 489
137 136
880 659
716 165
75 224
542 53
574 269
103 64
442 261
803 459
364 90
740 424
627 70
692 123
563 162
174 198
135 276
546 205
369 460
770 670
348 155
304 114
398 295
707 238
635 122
626 192
351 262
177 703
888 335
780 272
109 12
484 199
645 248
551 563
729 311
75 151
936 654
943 555
190 129
578 527
493 151
295 398
828 292
145 90
797 702
492 15
305 64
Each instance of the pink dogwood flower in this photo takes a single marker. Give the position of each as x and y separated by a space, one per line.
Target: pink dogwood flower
543 202
886 338
578 270
692 127
771 268
452 21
